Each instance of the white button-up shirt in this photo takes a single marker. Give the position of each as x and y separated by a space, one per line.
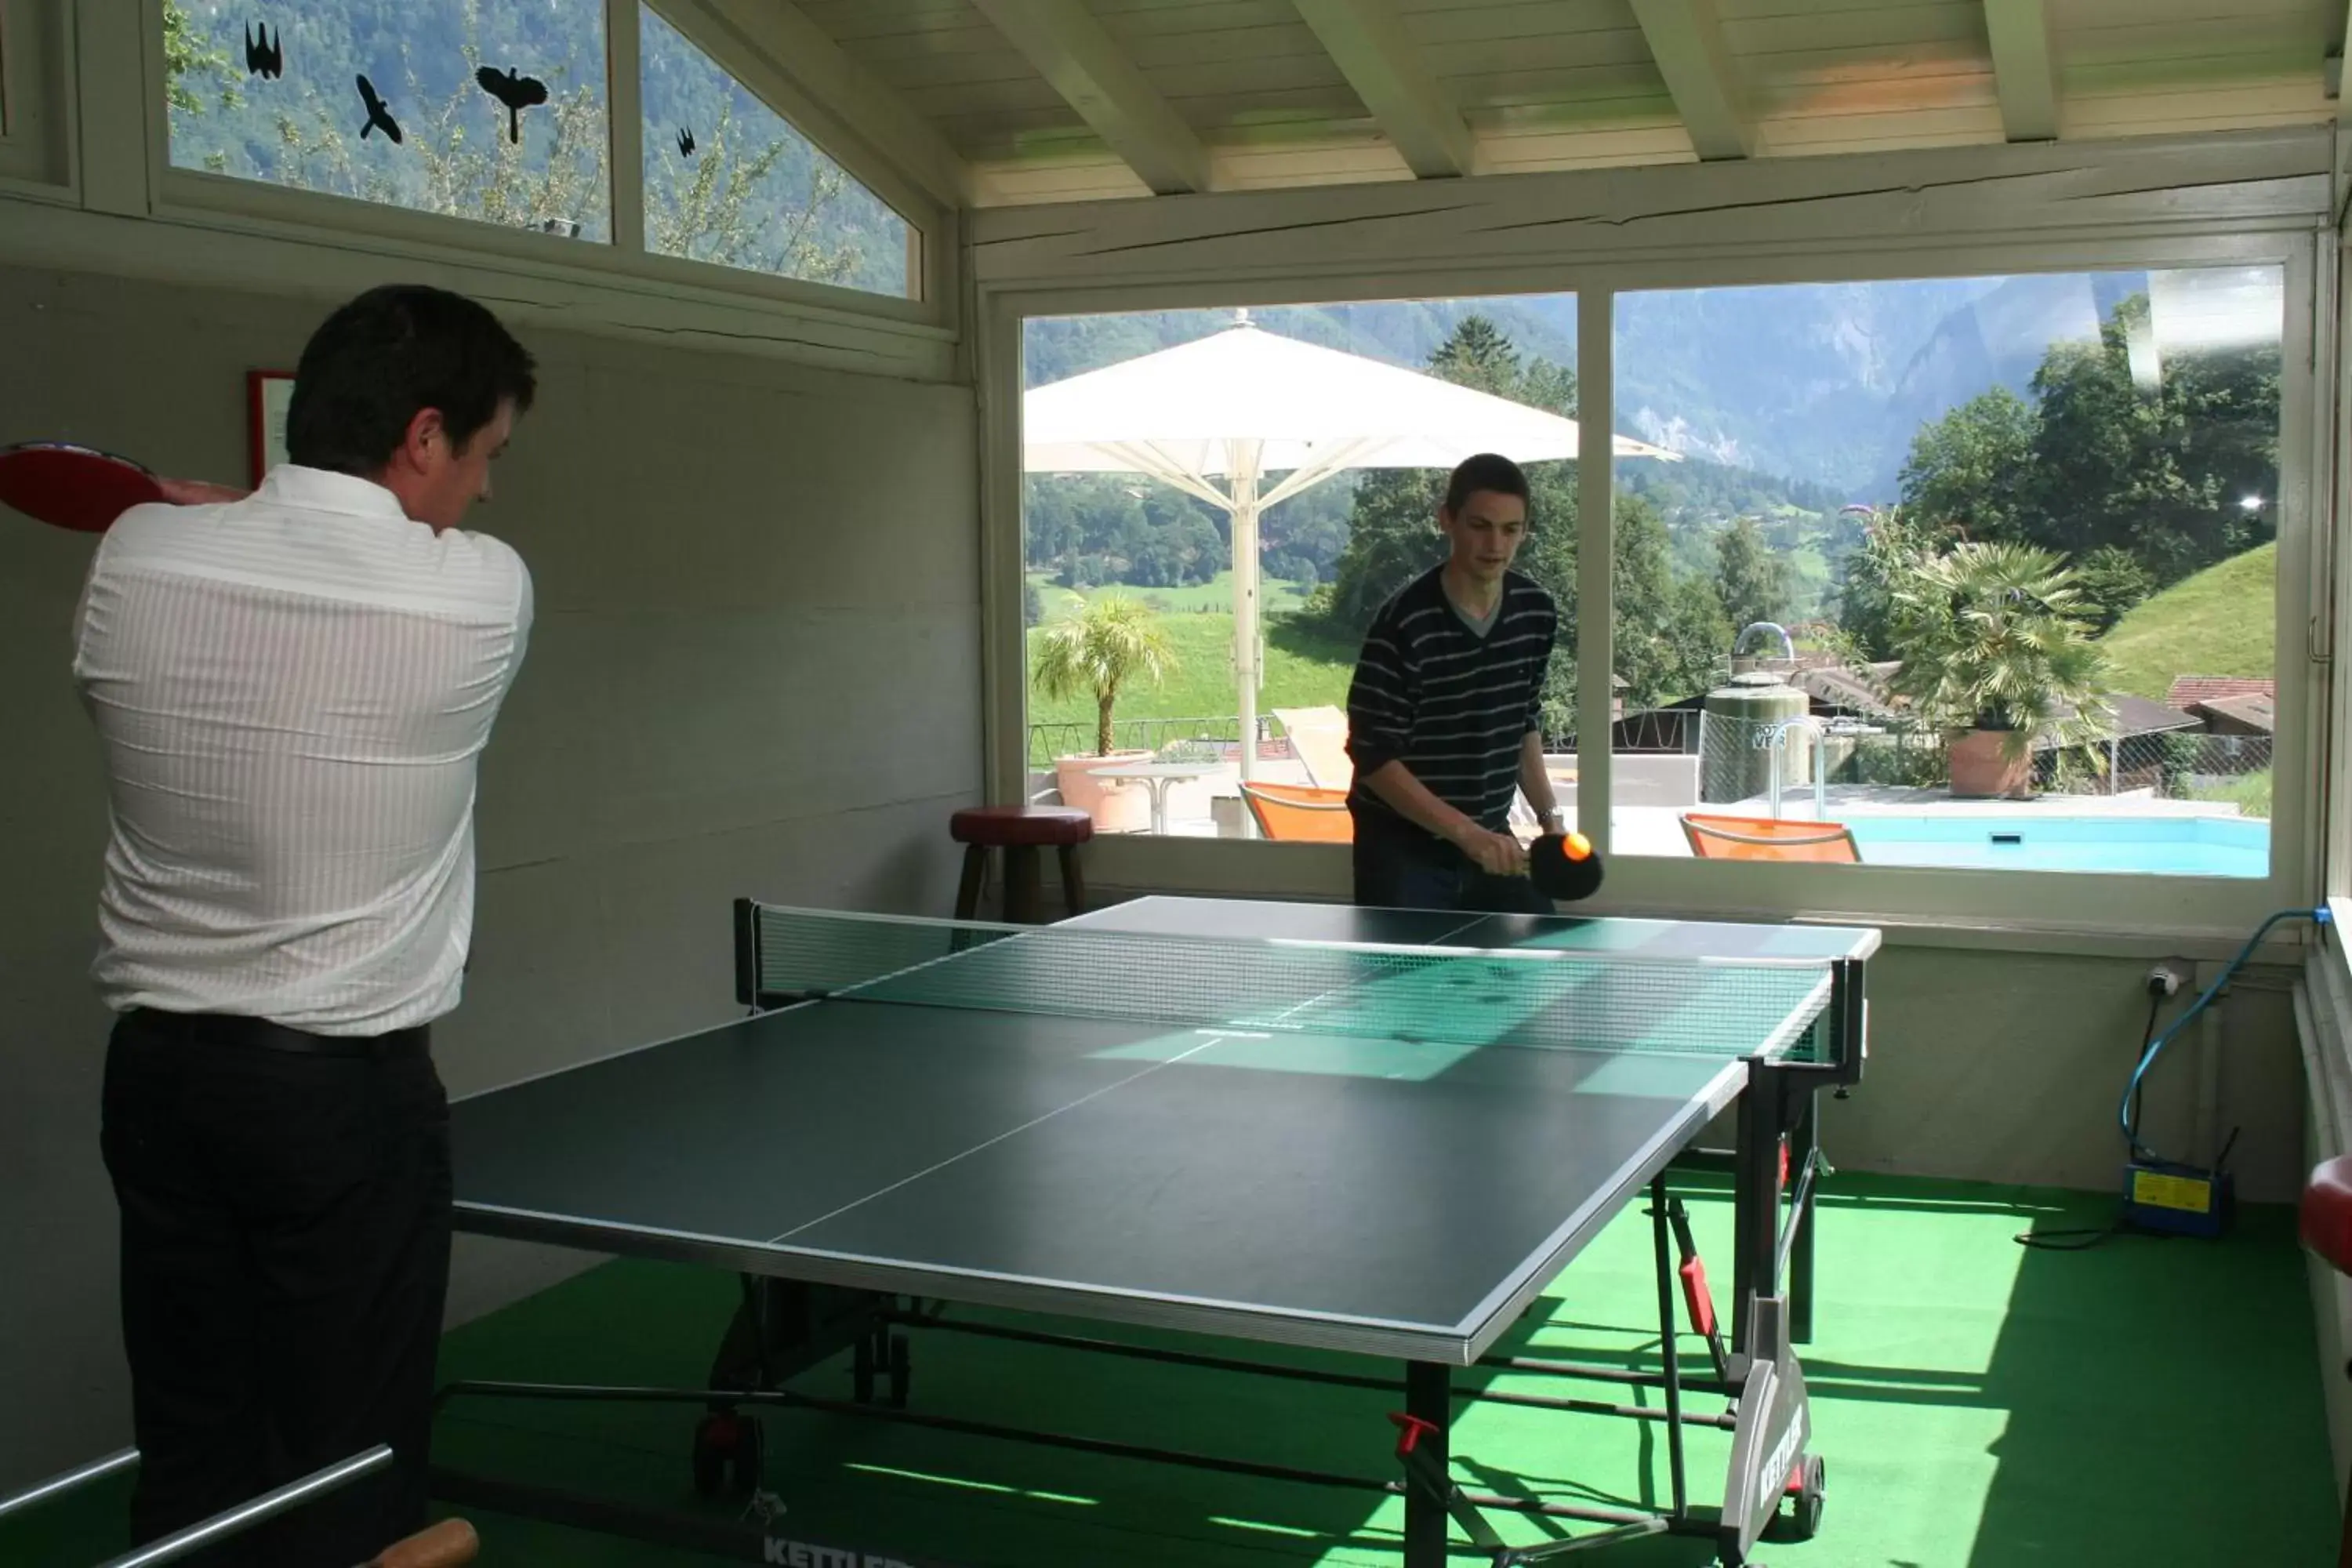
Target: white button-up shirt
291 693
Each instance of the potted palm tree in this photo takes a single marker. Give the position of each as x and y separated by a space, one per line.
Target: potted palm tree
1102 647
1995 649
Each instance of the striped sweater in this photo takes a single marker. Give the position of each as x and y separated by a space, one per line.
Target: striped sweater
1452 706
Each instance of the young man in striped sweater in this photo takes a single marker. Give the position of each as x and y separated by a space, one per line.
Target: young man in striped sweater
1445 718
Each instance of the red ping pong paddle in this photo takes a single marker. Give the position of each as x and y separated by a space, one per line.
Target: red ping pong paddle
72 486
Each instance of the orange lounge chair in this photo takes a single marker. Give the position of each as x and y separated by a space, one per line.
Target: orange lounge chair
1300 812
1769 838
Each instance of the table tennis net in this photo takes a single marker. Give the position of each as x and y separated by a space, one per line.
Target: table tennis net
1532 997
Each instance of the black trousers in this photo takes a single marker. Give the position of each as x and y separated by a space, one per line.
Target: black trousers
1400 867
285 1260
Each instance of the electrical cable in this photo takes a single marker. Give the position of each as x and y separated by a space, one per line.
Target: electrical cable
2084 1237
2127 1113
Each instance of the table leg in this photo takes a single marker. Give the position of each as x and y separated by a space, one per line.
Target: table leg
1807 1150
1158 806
1755 1197
1428 1396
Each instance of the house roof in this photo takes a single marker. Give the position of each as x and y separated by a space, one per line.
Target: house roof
1850 690
2256 710
2189 690
2139 716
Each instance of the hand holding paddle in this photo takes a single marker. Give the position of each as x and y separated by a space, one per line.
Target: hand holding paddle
1564 866
71 487
446 1544
85 490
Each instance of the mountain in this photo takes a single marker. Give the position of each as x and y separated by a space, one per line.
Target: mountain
1822 384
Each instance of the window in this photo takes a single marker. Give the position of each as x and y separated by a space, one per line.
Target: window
1981 571
1320 437
31 93
490 112
728 181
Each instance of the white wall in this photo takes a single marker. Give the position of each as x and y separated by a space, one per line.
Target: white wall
2009 1066
755 671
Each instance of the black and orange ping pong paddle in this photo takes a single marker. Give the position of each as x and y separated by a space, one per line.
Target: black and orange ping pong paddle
73 486
1564 866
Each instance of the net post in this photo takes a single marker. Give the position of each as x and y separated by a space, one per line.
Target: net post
1848 1020
747 952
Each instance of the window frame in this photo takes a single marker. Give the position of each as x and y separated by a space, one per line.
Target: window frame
197 198
2084 911
36 56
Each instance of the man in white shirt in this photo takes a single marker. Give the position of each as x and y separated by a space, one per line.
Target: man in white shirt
291 692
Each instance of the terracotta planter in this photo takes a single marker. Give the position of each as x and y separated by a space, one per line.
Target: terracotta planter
1982 768
1118 805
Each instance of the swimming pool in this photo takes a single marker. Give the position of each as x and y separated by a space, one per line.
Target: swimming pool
2158 846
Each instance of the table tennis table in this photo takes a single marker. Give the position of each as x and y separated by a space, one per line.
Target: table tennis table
1375 1132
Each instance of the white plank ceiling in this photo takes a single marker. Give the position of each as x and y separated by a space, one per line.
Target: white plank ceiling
1063 99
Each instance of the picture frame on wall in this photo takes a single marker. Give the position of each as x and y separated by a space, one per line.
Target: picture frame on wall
267 392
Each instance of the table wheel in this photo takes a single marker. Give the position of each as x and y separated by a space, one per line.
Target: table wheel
1807 1484
728 1454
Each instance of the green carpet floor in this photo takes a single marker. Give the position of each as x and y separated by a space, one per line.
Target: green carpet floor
1978 1404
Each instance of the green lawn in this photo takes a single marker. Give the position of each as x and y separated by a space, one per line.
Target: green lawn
1300 672
2223 621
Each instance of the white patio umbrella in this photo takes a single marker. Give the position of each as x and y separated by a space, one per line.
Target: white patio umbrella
1243 403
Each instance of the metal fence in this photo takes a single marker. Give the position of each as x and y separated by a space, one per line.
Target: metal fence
1743 758
1077 738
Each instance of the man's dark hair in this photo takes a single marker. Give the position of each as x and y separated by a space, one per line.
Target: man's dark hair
1485 471
378 360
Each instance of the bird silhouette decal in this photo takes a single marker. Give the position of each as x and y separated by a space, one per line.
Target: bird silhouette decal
379 118
685 144
517 91
265 56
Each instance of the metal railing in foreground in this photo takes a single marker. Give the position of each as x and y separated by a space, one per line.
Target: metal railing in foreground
443 1545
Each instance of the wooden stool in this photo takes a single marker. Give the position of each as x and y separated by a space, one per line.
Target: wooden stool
1020 831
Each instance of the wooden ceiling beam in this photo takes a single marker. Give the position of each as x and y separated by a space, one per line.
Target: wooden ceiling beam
2334 67
822 73
1368 42
2024 68
1685 38
1094 76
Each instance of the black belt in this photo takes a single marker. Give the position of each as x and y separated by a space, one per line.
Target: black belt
261 1033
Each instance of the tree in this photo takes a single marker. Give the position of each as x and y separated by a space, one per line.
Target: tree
2141 481
457 157
1992 637
1968 469
2155 473
2111 580
1751 580
190 61
1668 631
1102 645
1893 544
717 212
